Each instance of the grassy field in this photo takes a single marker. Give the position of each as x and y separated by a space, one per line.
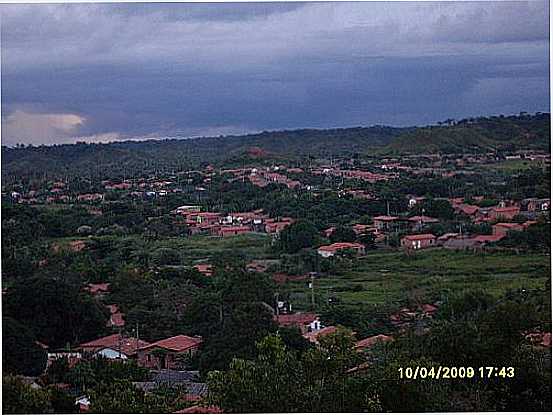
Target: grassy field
512 166
392 277
199 247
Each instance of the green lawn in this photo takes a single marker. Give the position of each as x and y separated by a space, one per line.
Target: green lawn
511 166
199 247
252 245
392 277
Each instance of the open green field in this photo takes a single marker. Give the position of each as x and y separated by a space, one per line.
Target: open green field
251 245
196 248
392 277
512 166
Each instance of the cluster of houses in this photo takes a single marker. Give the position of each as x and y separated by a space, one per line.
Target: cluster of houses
218 224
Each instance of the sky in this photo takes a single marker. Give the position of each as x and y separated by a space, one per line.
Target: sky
106 72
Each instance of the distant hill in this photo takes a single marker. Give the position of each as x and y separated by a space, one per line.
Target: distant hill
146 157
477 135
128 157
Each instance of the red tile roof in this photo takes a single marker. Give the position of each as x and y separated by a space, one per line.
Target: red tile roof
421 237
313 336
295 319
488 238
468 209
128 344
178 343
429 308
371 341
546 340
205 269
341 245
385 218
423 219
97 288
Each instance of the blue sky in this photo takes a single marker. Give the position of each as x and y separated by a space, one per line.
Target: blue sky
101 72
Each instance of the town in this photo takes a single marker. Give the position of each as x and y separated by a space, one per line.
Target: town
170 291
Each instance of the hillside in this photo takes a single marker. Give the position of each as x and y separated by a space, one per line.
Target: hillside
476 135
145 157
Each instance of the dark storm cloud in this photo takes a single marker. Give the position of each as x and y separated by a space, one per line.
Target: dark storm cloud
114 71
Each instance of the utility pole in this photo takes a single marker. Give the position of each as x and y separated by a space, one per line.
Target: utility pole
312 286
137 337
276 304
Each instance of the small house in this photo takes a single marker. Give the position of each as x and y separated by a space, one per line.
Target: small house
425 240
327 251
168 353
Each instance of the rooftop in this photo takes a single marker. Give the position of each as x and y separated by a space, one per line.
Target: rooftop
178 343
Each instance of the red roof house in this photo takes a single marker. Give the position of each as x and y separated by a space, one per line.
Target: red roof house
421 241
371 341
330 250
483 239
97 289
114 346
301 320
504 212
503 228
313 336
205 269
166 353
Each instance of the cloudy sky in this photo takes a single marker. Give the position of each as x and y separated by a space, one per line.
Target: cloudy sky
103 72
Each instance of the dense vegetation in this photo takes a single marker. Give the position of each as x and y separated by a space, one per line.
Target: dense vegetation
128 158
491 302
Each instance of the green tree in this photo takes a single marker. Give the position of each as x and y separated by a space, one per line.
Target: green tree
21 353
20 398
299 235
57 311
343 234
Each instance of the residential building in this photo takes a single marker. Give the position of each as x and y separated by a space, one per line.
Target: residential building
330 250
425 240
115 346
168 353
384 222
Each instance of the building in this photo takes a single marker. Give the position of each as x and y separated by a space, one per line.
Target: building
315 335
98 290
168 353
503 212
371 341
327 251
273 226
115 346
415 200
418 222
301 320
117 318
384 222
361 229
503 228
486 239
425 240
535 205
205 269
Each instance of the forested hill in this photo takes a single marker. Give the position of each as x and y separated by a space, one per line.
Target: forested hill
477 135
132 157
151 155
